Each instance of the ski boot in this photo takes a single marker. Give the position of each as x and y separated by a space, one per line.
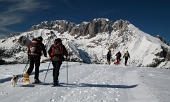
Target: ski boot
56 83
36 81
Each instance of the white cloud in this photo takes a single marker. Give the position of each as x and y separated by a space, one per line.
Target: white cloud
9 19
26 6
106 12
15 11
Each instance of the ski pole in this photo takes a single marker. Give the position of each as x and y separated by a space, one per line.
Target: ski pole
25 69
67 71
47 71
26 66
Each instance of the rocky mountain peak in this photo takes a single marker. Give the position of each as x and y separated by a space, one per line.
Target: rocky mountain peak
97 25
92 28
120 25
162 39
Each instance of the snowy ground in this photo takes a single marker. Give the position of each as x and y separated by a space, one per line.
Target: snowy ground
89 83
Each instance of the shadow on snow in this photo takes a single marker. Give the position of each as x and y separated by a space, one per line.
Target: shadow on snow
98 85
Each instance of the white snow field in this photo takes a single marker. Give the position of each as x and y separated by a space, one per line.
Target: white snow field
88 83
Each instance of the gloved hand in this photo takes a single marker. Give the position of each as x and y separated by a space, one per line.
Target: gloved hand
66 58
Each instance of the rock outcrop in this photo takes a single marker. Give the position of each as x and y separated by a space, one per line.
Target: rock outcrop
85 28
162 39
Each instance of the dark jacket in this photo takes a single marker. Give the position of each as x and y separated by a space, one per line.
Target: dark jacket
118 55
108 55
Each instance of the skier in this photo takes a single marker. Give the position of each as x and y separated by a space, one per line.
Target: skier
108 56
57 52
126 56
34 54
118 56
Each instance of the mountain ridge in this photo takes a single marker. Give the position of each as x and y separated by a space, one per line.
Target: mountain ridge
70 27
89 41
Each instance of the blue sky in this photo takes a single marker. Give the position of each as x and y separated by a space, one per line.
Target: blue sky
150 16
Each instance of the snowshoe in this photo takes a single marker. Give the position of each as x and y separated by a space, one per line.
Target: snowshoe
36 81
26 78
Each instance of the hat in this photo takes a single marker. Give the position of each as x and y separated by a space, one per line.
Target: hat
40 38
58 40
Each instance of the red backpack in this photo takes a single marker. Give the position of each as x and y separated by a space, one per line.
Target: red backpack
34 48
57 49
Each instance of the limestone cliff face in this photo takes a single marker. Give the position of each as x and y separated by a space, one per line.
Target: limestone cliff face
58 25
94 27
85 28
120 25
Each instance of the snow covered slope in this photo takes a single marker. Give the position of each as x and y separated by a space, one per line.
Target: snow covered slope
88 83
144 49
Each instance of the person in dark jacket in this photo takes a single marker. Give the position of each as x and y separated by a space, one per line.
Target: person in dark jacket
57 52
126 56
35 50
118 56
108 56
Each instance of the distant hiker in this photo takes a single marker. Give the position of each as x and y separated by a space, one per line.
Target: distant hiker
35 49
57 52
118 56
108 56
2 61
126 56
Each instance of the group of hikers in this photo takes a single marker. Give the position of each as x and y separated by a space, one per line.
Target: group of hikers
118 57
57 52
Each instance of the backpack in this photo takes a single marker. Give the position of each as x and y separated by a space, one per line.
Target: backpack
34 48
127 54
57 50
119 54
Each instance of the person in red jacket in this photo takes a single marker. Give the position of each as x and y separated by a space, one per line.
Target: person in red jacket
57 52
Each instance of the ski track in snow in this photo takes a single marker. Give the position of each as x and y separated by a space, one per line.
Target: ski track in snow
86 83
